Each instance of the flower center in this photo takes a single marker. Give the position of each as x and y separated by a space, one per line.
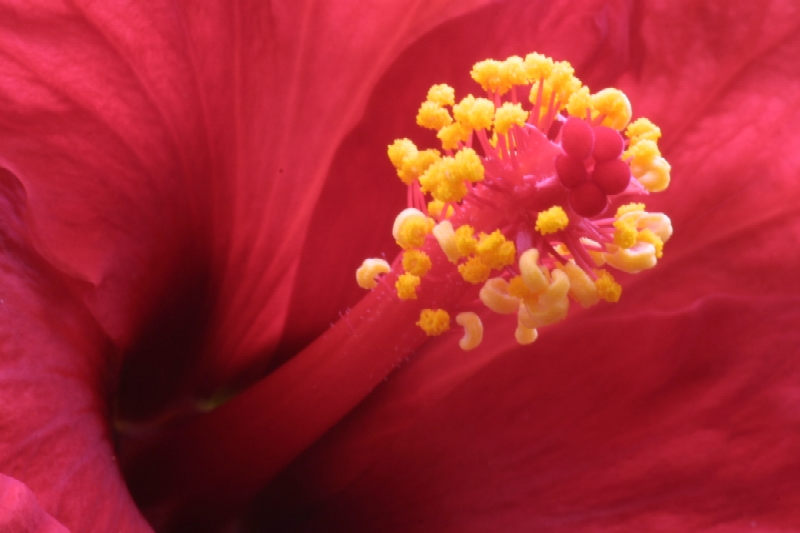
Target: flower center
526 208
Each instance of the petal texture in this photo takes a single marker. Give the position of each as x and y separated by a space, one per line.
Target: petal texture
21 512
55 368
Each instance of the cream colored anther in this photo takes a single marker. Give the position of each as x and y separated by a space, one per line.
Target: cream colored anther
581 287
367 274
654 177
639 257
532 275
473 330
525 335
558 288
445 236
406 214
494 295
551 306
658 223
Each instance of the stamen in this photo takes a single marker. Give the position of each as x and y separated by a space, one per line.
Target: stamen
434 322
367 274
527 198
473 330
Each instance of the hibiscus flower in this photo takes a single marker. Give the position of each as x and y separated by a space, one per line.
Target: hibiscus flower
186 190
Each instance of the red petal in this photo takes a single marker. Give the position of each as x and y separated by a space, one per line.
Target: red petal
20 510
54 377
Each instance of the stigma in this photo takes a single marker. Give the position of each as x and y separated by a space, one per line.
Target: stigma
530 206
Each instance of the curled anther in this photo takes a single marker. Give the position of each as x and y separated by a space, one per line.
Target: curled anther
367 274
473 330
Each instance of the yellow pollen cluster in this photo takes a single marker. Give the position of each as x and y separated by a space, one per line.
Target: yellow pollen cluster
647 164
465 240
607 287
416 262
436 208
411 227
406 286
552 220
489 252
474 113
446 179
498 77
507 116
505 157
410 162
441 94
434 321
554 91
610 107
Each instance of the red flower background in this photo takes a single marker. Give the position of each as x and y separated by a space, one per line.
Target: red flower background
186 190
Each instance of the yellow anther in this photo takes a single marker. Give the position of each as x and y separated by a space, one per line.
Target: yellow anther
642 129
487 74
446 237
465 240
474 270
441 94
435 208
495 250
642 153
629 208
654 177
537 66
411 227
513 70
507 116
580 103
495 295
474 113
649 236
399 151
443 181
416 164
525 335
473 330
434 321
367 274
624 233
551 220
613 106
581 286
433 116
499 76
562 82
532 274
467 165
416 262
607 288
406 286
453 134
